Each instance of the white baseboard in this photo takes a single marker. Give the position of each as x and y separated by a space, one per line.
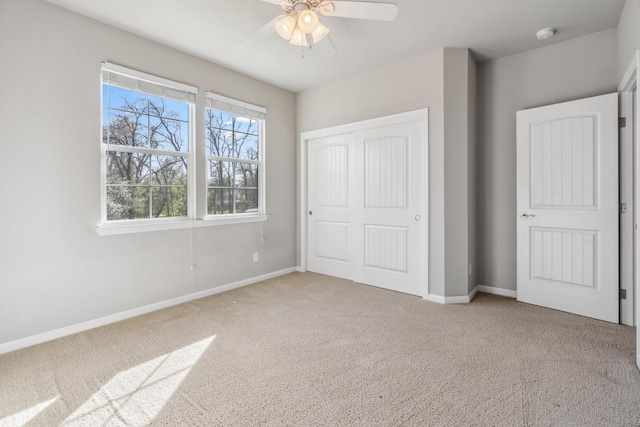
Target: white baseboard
464 299
435 298
473 293
299 269
90 324
497 291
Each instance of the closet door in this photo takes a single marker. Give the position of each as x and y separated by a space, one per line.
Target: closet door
367 217
389 208
330 204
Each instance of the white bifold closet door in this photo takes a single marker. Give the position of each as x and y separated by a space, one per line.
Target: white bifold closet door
366 216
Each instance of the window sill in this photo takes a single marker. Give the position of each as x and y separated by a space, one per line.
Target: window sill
135 227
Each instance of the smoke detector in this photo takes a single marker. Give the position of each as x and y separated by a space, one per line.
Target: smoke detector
545 33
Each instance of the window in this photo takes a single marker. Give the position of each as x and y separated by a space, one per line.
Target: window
150 156
234 153
147 146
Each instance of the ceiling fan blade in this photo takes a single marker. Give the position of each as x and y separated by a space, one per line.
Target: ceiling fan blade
360 10
266 30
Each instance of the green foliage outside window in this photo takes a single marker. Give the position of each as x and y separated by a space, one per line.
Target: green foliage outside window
141 183
232 148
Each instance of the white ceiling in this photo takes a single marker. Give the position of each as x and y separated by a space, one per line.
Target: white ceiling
212 29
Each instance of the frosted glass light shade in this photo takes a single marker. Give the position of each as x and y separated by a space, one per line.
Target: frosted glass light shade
319 33
285 26
299 38
307 21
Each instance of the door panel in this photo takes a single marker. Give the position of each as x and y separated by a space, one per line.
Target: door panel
386 248
332 240
563 163
567 159
386 172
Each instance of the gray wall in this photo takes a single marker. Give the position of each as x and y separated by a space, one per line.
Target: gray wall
628 35
458 160
437 80
574 69
54 269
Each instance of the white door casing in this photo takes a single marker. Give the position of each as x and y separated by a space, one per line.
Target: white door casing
567 203
626 232
366 204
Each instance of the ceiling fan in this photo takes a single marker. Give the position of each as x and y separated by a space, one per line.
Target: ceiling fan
300 24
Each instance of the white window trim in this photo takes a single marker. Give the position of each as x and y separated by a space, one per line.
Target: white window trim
107 227
233 106
142 226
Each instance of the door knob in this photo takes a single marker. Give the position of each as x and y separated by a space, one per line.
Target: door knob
525 215
418 217
310 213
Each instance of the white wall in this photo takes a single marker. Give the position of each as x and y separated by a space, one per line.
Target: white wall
54 269
436 80
579 68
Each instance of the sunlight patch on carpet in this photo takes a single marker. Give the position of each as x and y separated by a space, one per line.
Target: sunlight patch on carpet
136 396
23 417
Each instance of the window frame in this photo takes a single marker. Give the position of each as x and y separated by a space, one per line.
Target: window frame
228 105
159 84
197 179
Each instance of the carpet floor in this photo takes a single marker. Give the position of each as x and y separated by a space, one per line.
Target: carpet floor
311 350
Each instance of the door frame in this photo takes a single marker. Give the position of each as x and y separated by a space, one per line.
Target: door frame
627 85
628 315
421 115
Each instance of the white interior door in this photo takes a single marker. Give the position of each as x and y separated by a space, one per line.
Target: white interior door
366 218
567 203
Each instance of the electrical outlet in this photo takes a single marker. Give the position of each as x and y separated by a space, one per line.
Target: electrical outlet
256 256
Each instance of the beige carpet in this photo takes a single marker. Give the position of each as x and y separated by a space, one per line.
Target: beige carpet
306 349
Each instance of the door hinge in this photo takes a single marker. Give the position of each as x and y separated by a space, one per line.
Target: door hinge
622 208
623 294
622 122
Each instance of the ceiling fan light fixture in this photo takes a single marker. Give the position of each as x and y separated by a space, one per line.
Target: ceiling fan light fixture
285 26
319 33
308 21
326 8
298 38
